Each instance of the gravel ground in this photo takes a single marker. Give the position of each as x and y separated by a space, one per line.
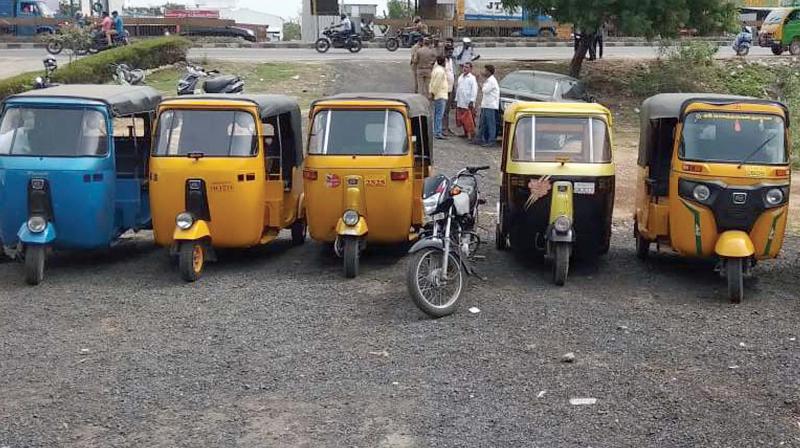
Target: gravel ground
273 347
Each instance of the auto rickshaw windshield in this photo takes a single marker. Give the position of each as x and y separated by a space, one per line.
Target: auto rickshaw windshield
213 133
553 139
28 131
359 132
734 138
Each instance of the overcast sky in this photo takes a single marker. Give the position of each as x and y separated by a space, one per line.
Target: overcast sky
291 8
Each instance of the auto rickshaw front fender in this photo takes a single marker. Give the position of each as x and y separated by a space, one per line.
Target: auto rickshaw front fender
198 231
47 236
734 244
554 236
360 229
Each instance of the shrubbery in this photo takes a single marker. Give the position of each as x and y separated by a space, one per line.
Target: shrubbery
97 69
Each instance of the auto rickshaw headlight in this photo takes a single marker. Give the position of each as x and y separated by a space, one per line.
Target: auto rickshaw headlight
774 197
350 217
562 224
37 224
184 221
701 193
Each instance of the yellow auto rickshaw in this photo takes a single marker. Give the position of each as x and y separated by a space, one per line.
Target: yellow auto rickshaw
368 157
713 180
557 191
224 174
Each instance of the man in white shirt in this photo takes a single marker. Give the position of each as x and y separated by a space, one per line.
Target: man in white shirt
465 53
346 25
490 107
466 95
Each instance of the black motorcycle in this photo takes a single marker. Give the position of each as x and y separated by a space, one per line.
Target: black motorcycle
332 37
100 42
440 261
407 38
214 82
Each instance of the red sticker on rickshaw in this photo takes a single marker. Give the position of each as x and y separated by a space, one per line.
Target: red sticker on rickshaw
332 180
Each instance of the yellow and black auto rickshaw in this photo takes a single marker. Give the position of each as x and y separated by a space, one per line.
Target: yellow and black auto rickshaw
368 157
557 192
713 180
224 174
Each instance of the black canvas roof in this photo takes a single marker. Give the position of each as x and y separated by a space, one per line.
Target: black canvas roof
122 100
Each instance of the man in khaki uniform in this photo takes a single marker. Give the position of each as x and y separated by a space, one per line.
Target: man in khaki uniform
426 57
414 61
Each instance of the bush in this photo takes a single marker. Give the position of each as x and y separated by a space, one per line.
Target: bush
96 69
685 67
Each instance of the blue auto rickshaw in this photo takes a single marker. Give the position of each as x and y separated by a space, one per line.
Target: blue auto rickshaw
73 169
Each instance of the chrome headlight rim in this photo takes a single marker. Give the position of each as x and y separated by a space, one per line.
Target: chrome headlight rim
184 220
431 203
36 224
562 224
701 193
350 217
774 197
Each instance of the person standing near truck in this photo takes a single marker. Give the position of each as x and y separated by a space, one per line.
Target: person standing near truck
426 57
414 62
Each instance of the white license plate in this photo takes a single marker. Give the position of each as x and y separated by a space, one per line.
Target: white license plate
583 187
437 217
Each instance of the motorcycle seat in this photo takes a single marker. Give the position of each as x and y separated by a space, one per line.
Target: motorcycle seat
218 84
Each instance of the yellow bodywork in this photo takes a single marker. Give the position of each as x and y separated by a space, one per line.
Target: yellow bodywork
198 231
561 203
776 29
389 209
689 227
243 213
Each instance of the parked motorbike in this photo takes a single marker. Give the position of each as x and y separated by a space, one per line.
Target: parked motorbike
440 261
50 67
124 75
333 38
214 81
405 39
743 42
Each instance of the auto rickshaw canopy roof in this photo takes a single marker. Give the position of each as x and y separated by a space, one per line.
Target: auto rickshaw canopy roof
417 105
660 114
121 100
565 108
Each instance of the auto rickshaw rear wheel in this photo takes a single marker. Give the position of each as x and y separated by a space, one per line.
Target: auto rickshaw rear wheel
500 238
561 256
299 231
777 50
351 256
191 260
34 264
642 244
734 272
794 48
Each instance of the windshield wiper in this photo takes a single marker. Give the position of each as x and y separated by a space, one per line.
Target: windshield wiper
757 150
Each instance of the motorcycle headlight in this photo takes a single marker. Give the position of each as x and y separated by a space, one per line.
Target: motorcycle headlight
774 196
350 217
37 224
431 203
562 224
184 221
701 193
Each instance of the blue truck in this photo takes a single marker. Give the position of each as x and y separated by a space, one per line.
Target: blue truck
22 9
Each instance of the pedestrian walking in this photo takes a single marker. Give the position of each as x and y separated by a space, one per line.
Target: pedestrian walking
490 106
426 57
599 40
439 92
449 68
414 61
466 95
466 53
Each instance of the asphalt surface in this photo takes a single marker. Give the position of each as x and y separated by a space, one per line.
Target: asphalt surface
273 347
13 62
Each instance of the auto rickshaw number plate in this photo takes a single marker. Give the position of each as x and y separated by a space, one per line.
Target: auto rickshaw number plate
584 187
375 181
756 171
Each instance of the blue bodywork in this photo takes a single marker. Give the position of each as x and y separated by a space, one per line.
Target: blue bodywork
91 205
25 9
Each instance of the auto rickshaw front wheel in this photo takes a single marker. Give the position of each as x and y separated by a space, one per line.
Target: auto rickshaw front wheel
34 264
191 260
299 231
351 256
500 238
561 255
734 273
642 243
794 47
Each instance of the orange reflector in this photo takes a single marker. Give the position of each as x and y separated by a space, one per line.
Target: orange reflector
399 175
782 172
310 174
692 168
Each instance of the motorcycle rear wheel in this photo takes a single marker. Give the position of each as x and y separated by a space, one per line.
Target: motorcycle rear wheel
355 46
55 48
426 288
743 51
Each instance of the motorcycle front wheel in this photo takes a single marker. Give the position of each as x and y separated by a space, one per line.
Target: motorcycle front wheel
355 46
55 48
435 293
392 44
322 45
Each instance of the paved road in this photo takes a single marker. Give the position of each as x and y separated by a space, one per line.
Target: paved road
13 62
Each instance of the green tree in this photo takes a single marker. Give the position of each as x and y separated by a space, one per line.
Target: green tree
399 9
291 30
650 18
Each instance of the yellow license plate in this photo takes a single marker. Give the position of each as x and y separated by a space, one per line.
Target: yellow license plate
756 171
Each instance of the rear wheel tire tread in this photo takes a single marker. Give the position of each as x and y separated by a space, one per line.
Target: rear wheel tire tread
34 264
734 274
299 231
562 254
191 270
351 255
